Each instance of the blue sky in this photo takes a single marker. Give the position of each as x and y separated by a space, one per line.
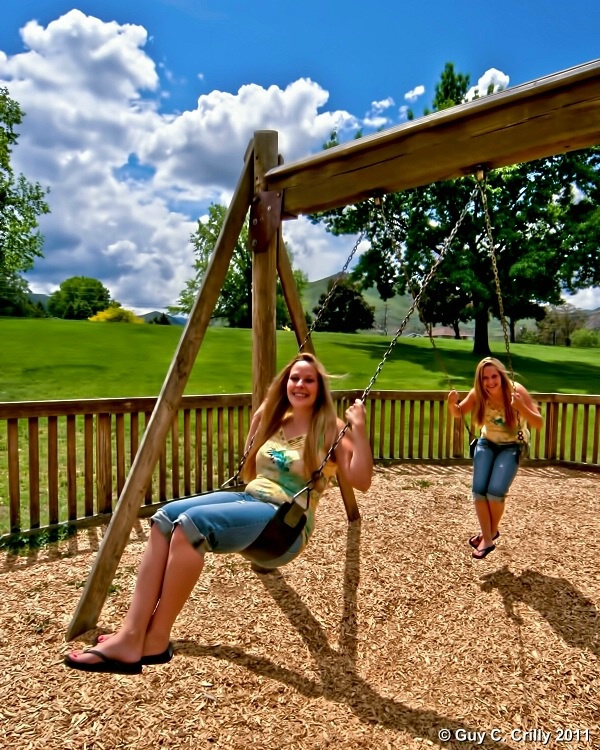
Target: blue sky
139 112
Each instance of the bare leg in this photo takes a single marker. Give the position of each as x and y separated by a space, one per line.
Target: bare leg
484 516
183 569
127 643
496 513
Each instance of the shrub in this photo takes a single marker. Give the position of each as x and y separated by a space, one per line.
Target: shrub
116 315
585 338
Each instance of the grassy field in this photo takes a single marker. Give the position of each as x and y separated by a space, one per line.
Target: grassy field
56 359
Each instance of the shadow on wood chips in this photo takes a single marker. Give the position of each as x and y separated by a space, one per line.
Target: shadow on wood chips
384 634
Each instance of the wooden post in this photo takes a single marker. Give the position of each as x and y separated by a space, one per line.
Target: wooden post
263 234
292 298
119 528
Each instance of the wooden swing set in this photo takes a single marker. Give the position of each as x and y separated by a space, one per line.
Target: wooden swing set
547 116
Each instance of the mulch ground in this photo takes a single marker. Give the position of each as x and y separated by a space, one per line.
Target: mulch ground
382 635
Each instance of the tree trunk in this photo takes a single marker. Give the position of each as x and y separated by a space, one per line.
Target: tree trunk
481 345
511 329
456 326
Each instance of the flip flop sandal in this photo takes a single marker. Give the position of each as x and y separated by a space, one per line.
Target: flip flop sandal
479 554
474 540
163 658
106 665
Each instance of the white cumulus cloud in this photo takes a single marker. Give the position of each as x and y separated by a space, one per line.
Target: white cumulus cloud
414 94
128 181
490 82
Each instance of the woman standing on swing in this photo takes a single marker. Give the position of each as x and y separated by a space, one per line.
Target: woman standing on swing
500 409
291 433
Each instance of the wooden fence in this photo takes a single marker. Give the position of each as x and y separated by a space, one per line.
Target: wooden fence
66 462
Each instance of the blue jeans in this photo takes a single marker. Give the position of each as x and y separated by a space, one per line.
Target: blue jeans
494 468
222 522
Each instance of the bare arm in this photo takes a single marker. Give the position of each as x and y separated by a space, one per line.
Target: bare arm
523 404
256 417
456 407
353 455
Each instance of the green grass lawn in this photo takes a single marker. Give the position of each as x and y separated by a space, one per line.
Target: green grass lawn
55 359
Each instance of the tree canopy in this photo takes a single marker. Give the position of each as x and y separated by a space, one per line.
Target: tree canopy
235 301
545 221
79 298
346 311
21 201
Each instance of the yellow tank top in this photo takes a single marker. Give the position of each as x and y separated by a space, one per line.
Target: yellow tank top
495 428
280 475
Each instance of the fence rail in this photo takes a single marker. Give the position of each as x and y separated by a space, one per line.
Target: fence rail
65 462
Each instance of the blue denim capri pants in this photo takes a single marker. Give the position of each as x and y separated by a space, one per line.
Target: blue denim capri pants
495 466
222 522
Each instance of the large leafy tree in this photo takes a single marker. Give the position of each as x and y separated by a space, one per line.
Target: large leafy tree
21 201
346 311
544 220
235 301
78 298
14 298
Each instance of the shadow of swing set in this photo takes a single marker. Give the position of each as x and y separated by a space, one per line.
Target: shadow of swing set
548 116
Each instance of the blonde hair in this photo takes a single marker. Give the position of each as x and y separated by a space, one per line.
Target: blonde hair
480 394
276 405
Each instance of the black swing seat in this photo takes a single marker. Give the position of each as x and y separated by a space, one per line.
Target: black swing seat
279 534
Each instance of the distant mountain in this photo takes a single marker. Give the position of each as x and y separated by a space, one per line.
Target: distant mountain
388 315
35 298
174 320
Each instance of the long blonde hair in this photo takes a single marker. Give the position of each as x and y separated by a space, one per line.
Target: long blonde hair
480 394
323 426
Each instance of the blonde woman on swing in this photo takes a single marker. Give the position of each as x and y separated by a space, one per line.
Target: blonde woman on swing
500 409
288 439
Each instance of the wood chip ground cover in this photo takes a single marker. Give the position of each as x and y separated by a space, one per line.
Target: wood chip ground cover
383 634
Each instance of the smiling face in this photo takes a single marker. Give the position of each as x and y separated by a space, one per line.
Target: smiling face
491 381
303 385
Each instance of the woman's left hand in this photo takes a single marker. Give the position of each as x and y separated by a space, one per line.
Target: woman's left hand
517 402
356 415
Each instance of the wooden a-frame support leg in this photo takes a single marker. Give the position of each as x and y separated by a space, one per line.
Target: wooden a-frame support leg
114 541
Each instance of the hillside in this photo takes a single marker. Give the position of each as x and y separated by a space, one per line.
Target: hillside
388 315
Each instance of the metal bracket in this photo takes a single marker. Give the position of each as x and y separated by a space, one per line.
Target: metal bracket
265 218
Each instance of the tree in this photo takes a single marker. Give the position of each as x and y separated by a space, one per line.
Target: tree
14 298
545 227
559 323
160 320
21 201
235 301
79 298
347 311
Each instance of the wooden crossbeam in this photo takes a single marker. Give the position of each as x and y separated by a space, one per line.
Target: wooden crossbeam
551 115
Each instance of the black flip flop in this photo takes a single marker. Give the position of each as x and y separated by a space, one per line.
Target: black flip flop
478 537
163 658
479 554
107 665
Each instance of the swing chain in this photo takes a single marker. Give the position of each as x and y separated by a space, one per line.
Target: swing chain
481 184
233 481
417 299
334 286
431 273
488 225
428 326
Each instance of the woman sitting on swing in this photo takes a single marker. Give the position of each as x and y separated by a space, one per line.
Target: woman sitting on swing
498 409
290 432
